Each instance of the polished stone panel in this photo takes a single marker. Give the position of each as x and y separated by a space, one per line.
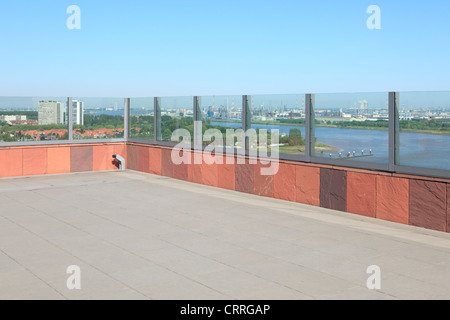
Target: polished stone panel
333 189
226 174
133 157
210 174
244 177
392 199
263 185
428 205
307 185
81 159
361 192
166 163
143 159
11 162
58 160
35 161
155 160
180 171
284 182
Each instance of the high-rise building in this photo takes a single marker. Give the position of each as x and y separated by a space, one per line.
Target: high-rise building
78 112
49 112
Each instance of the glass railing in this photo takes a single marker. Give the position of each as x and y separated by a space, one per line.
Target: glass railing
175 113
352 126
284 114
142 118
424 122
406 132
97 118
30 119
219 114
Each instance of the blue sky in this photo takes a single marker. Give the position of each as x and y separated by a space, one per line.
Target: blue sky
141 48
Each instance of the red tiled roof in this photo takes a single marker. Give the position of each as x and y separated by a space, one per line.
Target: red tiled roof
102 132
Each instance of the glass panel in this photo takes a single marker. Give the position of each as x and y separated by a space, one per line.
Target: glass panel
221 113
141 118
352 126
33 119
286 113
98 118
176 113
425 129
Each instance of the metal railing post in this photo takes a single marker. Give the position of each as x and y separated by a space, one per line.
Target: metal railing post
197 106
70 118
310 126
394 131
246 119
126 119
157 119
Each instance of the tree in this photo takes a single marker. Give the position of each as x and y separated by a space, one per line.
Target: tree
295 138
166 134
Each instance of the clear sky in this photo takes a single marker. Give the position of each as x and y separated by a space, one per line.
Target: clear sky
145 48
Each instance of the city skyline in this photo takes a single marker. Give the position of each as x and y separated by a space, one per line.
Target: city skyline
377 100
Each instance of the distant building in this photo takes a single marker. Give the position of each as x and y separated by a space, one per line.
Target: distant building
78 112
17 119
364 105
13 118
28 122
49 112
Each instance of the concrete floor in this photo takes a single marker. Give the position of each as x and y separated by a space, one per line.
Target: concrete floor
138 236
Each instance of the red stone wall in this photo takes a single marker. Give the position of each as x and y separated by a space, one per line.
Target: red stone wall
53 159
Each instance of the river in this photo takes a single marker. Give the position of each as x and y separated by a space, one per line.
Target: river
416 149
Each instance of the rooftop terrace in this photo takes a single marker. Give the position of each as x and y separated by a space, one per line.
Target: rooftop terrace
141 236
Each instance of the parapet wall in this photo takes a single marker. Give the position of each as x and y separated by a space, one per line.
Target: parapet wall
406 199
53 159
